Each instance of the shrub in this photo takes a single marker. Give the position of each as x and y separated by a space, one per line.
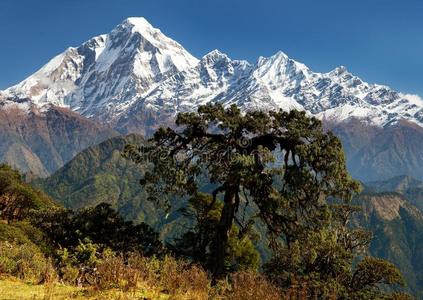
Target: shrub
101 224
69 274
251 285
177 278
18 198
113 272
25 262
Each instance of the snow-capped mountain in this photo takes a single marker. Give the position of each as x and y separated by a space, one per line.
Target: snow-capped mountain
105 75
136 77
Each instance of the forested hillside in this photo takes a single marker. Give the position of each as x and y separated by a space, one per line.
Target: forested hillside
113 178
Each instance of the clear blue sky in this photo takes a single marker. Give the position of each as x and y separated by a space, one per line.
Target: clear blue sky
379 40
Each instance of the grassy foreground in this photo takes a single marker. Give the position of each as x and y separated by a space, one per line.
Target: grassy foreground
13 289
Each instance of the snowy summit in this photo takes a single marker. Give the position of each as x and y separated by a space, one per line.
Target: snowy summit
137 74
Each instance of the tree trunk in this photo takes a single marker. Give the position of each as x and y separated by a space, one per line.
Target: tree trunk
217 261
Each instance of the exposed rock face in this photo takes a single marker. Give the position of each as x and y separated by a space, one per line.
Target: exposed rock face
385 206
408 187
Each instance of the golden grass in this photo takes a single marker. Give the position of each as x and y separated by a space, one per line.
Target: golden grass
14 289
143 278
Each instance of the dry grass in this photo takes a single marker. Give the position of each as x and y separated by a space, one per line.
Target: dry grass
12 289
138 277
252 285
167 276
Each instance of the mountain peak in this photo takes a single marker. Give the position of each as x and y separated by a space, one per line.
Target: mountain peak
277 57
280 54
115 67
113 75
137 21
215 53
138 24
339 70
215 56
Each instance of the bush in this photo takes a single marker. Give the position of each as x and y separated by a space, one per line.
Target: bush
17 198
169 276
176 278
156 277
101 224
251 285
25 262
113 272
69 274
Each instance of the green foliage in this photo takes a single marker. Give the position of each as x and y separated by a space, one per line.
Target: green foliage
99 174
294 173
17 198
86 253
23 261
196 242
322 265
24 233
369 274
241 255
78 263
239 152
102 225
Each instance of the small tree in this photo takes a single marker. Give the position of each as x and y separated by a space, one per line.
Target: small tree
14 206
18 198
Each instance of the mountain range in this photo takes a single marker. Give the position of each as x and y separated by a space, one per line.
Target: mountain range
136 79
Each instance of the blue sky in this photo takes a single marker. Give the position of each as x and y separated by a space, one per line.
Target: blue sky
379 40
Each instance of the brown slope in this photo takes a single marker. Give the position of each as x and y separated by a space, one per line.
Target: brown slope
375 153
397 228
41 142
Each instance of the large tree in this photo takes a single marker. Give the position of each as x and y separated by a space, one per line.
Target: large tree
284 161
294 173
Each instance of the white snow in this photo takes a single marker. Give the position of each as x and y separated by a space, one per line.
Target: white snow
136 68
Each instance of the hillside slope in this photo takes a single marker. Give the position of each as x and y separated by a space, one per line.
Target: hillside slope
374 153
397 228
101 174
40 142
